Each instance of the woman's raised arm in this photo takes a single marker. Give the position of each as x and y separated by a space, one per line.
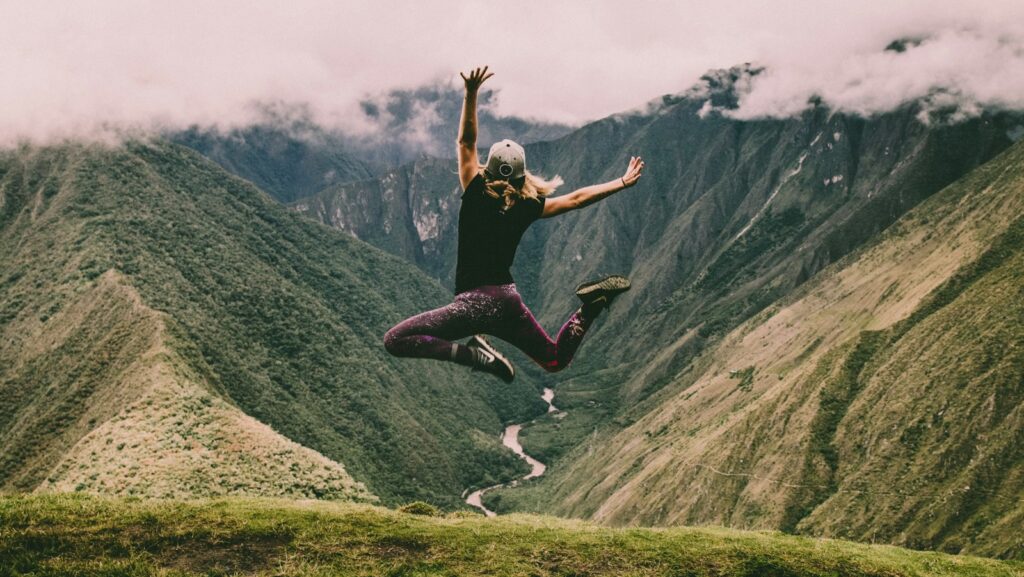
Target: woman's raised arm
595 192
469 163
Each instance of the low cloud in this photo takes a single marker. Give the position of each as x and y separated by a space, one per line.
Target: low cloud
955 72
105 67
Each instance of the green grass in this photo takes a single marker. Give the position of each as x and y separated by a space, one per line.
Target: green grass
76 535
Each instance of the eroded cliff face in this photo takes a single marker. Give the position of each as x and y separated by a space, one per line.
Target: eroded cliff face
411 211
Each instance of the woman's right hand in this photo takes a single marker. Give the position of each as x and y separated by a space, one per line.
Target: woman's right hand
633 172
476 78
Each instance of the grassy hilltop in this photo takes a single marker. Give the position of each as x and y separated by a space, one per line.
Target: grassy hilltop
64 535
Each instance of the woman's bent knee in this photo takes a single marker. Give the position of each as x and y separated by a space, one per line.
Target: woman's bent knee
553 366
392 341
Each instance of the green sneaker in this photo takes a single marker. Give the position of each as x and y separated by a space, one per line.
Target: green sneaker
608 288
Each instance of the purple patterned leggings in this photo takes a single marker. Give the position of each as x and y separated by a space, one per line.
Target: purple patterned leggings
496 310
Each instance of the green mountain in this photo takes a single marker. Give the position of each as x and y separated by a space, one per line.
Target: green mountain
74 535
410 211
289 160
167 328
882 400
821 337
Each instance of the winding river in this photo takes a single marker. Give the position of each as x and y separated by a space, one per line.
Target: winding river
510 438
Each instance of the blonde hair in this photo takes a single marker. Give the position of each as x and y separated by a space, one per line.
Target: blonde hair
533 186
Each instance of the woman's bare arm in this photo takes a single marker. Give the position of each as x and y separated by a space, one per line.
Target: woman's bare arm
595 192
469 163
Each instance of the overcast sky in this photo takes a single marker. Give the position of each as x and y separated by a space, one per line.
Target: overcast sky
72 68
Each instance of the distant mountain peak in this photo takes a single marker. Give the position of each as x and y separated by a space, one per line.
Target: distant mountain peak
901 45
716 90
724 82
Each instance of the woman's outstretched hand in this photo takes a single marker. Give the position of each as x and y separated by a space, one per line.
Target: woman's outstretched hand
634 172
476 78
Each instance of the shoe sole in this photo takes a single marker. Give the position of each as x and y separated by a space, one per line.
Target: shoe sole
486 346
613 285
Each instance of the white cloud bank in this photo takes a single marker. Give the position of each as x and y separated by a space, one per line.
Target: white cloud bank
74 69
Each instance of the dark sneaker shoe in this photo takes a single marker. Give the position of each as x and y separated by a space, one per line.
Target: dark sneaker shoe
487 359
591 293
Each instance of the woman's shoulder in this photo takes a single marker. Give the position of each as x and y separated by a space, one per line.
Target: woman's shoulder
476 183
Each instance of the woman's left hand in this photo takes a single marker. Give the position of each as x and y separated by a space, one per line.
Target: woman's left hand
634 172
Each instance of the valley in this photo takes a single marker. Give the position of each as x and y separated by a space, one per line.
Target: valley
821 338
510 438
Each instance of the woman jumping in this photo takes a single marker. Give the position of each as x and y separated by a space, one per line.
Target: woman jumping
499 201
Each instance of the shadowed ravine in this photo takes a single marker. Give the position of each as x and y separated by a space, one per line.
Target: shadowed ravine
510 438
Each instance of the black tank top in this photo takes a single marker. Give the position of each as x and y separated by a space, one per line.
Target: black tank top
489 236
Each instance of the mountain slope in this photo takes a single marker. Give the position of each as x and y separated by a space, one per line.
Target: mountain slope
259 311
411 211
289 162
881 401
106 359
729 217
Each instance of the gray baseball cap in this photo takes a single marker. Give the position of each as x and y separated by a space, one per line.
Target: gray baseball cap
506 160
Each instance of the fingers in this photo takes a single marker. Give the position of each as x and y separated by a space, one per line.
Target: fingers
633 172
477 76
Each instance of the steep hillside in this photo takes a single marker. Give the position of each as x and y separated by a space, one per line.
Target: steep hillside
158 314
411 211
72 535
881 401
103 403
289 161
